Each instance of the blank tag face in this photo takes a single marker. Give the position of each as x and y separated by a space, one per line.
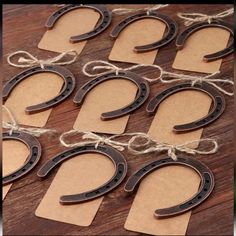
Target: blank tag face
137 33
107 96
14 156
31 91
174 184
79 174
200 43
73 23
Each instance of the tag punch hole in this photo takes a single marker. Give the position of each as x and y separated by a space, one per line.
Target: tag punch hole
116 157
141 97
205 189
35 153
68 87
172 29
183 36
105 20
216 111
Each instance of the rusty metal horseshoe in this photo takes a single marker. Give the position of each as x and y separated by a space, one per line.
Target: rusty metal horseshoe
182 38
205 189
141 97
172 29
116 157
68 87
101 26
35 153
216 111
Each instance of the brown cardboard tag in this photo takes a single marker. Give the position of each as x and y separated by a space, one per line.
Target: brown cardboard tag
107 96
79 174
136 34
201 43
33 90
73 23
170 185
14 155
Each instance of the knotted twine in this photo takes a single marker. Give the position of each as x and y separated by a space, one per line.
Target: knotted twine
149 145
164 77
14 126
191 18
121 11
28 60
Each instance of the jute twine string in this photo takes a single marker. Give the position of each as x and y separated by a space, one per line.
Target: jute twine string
164 76
14 126
148 145
191 18
151 145
28 60
121 11
92 138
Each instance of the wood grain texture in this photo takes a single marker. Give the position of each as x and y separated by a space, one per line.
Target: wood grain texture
23 27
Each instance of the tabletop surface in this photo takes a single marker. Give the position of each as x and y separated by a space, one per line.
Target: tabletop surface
213 217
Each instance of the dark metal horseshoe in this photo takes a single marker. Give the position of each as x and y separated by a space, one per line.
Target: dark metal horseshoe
101 26
116 157
216 111
182 37
141 97
205 189
68 87
172 29
35 153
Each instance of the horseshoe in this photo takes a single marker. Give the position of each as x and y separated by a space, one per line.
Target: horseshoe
116 157
182 37
205 189
68 87
101 26
35 153
215 113
172 29
141 97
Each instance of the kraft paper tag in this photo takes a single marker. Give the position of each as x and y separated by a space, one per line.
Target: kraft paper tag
203 42
138 33
33 90
170 185
14 155
107 96
76 22
79 174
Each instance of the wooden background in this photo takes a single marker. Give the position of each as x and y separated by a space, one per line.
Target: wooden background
23 27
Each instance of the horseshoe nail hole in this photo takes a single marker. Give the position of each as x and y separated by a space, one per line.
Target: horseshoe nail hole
205 189
199 197
163 161
120 171
23 170
153 165
144 170
67 89
69 82
207 181
97 192
115 180
13 176
34 154
107 186
72 151
31 162
190 203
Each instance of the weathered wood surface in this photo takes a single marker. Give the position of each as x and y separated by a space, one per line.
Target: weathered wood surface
23 26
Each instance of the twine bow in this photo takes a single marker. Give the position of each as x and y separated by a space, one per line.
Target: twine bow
153 146
191 18
164 76
91 138
13 126
28 60
121 11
